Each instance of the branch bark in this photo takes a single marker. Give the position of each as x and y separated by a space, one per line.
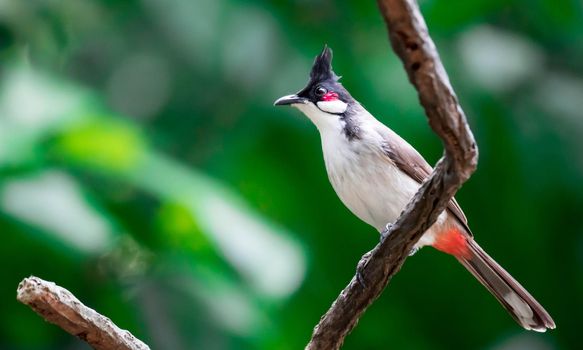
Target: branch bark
410 39
59 306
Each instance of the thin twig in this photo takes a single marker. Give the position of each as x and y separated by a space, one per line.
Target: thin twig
59 306
411 41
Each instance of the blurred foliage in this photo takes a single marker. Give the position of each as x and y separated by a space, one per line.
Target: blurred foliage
143 167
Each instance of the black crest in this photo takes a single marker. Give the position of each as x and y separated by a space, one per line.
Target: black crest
322 68
322 75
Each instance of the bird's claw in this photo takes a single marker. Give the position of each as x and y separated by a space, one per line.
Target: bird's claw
413 251
360 278
386 232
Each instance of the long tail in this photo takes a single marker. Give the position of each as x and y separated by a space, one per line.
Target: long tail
515 299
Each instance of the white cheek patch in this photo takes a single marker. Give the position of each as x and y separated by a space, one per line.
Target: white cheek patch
335 107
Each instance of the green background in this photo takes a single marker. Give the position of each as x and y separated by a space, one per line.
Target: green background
144 168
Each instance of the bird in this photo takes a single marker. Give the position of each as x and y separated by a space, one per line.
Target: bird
375 173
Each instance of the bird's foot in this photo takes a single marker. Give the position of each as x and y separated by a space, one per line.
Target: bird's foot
413 251
386 232
360 275
360 279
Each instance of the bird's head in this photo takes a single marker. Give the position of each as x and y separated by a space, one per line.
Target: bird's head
324 99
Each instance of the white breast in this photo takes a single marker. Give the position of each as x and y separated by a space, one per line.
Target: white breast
365 179
368 182
371 186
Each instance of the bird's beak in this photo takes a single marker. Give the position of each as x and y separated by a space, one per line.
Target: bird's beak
289 100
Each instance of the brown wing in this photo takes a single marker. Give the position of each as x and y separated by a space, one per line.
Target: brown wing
413 164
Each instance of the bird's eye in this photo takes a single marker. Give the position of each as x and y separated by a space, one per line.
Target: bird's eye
320 91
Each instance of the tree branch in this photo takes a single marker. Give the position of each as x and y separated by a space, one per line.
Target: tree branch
411 41
59 306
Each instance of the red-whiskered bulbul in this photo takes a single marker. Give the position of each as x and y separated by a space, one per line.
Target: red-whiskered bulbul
376 173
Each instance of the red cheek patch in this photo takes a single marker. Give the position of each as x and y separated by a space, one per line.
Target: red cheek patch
330 96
